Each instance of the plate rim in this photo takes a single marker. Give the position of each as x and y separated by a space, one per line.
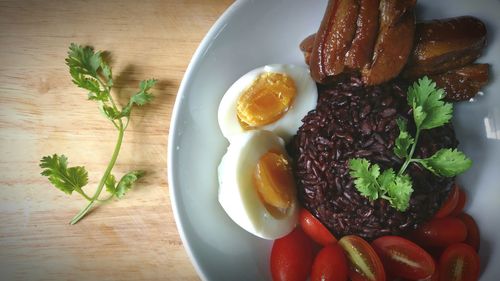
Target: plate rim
205 43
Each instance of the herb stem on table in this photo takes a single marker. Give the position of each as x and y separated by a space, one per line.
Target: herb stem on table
107 172
89 71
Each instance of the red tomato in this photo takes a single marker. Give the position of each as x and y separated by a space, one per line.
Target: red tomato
450 203
292 257
330 264
434 277
404 258
462 199
440 232
459 262
364 264
473 236
315 229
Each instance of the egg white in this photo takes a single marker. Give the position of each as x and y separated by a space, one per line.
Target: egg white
289 123
237 194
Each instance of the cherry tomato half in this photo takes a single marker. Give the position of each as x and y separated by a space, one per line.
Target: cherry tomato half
462 199
292 257
459 262
315 229
473 237
450 203
330 264
364 264
404 258
440 232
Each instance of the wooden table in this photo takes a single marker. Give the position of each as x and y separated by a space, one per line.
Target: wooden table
42 112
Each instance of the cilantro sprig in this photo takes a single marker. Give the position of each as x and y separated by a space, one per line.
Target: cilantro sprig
91 72
429 111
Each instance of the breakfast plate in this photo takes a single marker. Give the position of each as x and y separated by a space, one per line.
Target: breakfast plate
255 33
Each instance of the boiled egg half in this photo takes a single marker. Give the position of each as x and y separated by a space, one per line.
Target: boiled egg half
256 184
273 97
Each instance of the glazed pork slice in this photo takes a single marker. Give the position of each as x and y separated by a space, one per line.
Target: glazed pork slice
333 39
442 45
361 50
464 82
306 47
394 42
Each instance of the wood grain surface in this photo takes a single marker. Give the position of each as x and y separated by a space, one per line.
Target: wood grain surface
42 112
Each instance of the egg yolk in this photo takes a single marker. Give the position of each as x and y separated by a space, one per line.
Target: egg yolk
266 100
274 182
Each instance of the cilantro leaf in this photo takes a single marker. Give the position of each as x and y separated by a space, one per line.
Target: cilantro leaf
372 184
143 96
110 184
447 162
107 73
140 98
110 112
98 95
64 178
127 181
404 141
419 116
386 178
84 67
83 60
87 83
365 177
429 110
399 192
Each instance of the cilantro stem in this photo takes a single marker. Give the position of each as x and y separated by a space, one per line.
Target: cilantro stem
80 191
106 199
408 159
385 197
108 91
83 212
111 164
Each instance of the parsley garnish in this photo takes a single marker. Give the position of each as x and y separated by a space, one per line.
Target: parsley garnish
90 72
429 111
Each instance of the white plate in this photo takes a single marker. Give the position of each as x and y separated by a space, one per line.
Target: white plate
255 33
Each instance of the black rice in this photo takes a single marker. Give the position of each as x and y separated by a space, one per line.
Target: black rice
352 120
